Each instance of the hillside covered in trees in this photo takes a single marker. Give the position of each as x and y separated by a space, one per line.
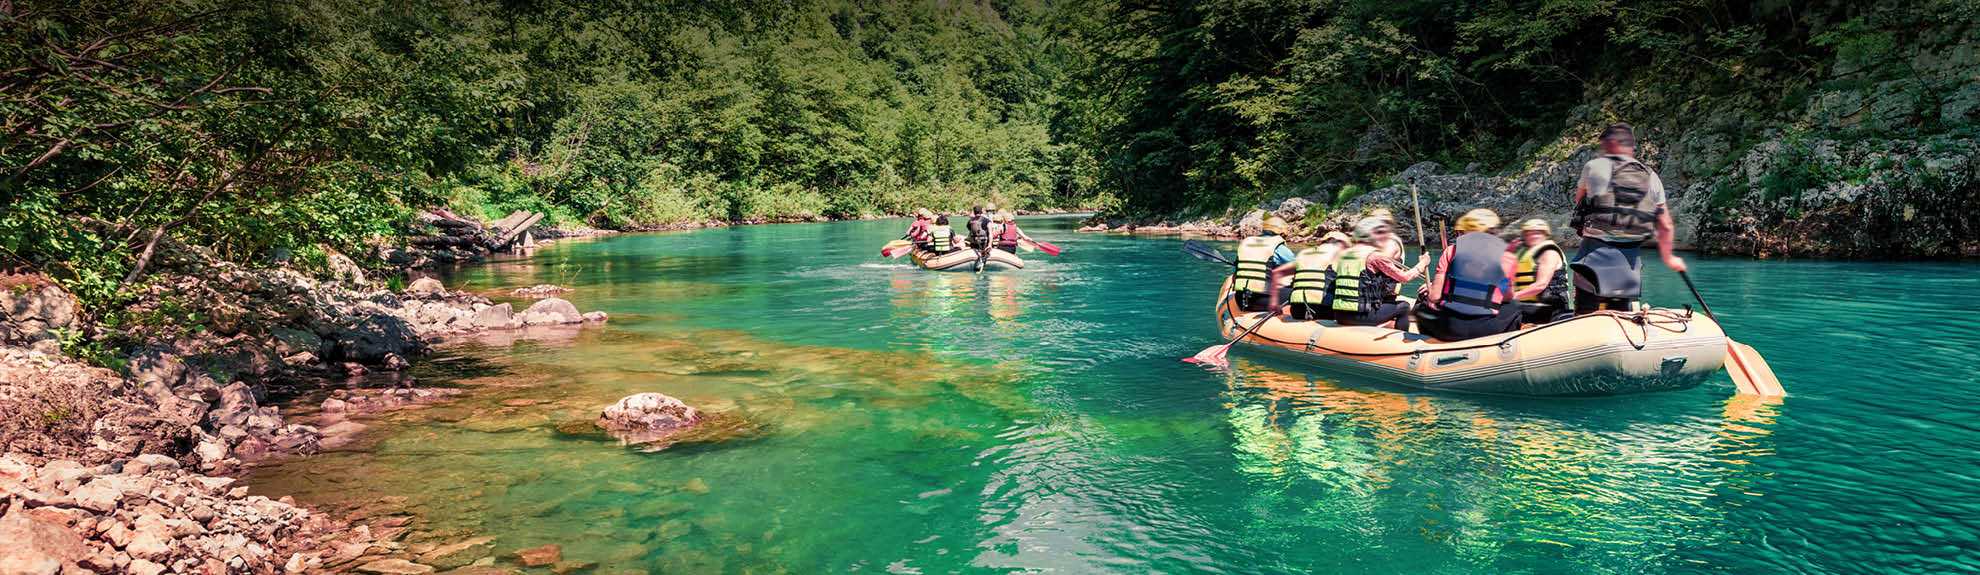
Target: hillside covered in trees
313 127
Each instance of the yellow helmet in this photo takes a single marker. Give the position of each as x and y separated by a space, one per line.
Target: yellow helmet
1478 220
1337 237
1535 225
1275 224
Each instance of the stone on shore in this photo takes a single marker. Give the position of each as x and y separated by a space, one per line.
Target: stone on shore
458 554
426 287
551 311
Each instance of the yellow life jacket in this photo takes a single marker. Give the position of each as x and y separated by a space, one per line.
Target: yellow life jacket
941 238
1528 273
1309 280
1254 263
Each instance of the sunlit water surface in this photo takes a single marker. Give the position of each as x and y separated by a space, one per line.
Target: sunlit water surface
1039 420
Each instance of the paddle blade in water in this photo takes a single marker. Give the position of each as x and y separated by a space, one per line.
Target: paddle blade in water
1750 373
1203 251
1214 356
1048 248
896 248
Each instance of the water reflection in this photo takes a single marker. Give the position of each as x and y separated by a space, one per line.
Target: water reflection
1489 482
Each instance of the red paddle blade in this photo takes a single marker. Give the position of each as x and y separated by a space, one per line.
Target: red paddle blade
1212 356
1047 248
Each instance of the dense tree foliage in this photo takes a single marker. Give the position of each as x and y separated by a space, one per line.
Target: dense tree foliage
1220 102
255 126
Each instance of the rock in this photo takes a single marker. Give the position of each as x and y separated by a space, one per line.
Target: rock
482 570
569 567
143 567
458 554
355 369
150 461
38 546
595 316
342 269
100 495
290 341
35 311
151 539
551 311
495 317
394 567
334 405
1418 171
374 336
647 417
394 362
539 556
426 287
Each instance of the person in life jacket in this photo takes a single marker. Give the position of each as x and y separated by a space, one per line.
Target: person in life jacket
1007 234
1361 282
1394 246
1617 206
1540 281
941 239
1471 295
1258 258
917 232
979 233
1312 269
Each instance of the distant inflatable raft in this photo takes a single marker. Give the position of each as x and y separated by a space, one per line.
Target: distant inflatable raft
964 260
1607 353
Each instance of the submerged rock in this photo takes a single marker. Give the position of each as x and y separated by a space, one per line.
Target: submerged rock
539 556
540 290
648 417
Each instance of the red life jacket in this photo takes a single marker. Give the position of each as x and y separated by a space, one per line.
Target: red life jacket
1009 235
918 232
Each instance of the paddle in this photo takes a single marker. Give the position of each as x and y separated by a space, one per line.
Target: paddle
896 248
1203 251
1750 373
1419 216
1049 249
1215 355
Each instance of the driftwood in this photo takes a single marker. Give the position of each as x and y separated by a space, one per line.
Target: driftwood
507 229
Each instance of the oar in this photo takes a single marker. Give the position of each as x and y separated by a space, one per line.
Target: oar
1203 251
1048 248
896 248
1750 373
1419 217
1215 355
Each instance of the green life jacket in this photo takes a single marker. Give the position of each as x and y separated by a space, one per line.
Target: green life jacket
1358 288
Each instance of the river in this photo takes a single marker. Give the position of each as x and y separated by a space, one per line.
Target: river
916 422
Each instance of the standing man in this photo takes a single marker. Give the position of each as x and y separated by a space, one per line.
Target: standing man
1618 205
979 233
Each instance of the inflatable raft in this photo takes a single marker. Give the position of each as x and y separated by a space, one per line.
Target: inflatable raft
964 260
1607 353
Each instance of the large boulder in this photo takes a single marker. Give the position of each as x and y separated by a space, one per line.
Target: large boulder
495 316
426 287
648 417
374 336
34 312
550 311
37 545
345 271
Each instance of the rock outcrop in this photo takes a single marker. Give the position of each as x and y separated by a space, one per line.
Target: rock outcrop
35 313
648 418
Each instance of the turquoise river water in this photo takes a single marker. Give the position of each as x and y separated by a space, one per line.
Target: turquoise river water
905 421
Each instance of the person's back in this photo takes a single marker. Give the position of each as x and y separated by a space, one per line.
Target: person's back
1008 233
979 229
1619 203
1311 268
1361 281
1257 256
1472 293
941 238
917 232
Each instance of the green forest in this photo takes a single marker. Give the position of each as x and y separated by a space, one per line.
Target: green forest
320 126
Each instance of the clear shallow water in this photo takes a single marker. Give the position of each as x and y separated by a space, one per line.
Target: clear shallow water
1040 420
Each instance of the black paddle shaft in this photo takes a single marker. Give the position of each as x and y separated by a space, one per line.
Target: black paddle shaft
1694 294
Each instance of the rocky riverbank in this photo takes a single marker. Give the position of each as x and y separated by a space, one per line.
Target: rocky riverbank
120 429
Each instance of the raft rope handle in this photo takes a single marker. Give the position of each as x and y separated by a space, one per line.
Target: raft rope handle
1622 321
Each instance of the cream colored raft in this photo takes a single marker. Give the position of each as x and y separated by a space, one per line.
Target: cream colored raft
964 260
1607 353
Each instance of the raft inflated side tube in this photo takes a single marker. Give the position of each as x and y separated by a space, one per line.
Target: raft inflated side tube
1605 353
964 259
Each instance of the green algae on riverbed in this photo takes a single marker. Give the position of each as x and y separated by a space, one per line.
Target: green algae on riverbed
1039 420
